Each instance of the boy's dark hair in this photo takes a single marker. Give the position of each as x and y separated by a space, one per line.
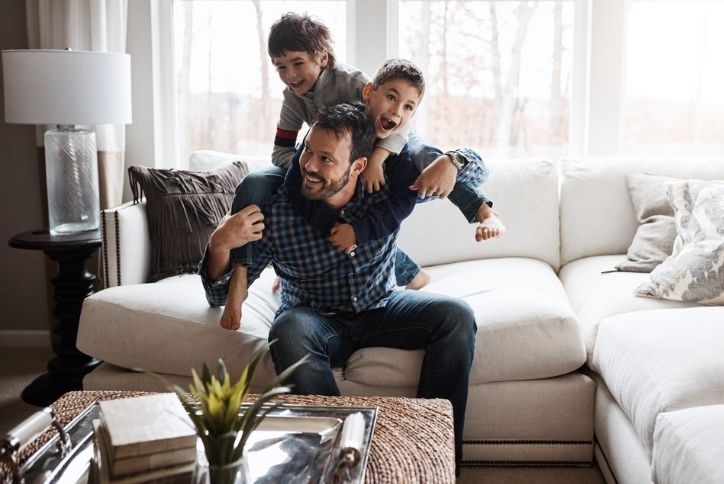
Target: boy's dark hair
300 33
399 69
352 118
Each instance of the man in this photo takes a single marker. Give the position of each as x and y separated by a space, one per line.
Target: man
334 303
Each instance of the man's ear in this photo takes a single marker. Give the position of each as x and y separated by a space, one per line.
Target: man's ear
359 165
367 92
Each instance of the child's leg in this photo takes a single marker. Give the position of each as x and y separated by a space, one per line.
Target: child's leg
255 188
231 317
408 273
466 194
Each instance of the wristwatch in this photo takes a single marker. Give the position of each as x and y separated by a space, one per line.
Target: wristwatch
456 159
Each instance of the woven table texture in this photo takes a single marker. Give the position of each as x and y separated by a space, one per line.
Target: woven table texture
412 441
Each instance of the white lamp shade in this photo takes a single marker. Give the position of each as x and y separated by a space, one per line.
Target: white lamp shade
66 87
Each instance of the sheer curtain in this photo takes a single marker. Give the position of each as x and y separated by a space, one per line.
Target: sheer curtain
97 25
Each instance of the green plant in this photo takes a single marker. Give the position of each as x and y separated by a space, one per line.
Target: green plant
215 407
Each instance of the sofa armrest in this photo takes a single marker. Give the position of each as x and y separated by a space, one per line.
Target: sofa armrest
126 244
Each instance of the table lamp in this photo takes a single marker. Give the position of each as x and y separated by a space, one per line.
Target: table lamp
68 88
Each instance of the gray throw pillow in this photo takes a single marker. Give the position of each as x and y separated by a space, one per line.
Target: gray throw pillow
183 209
695 269
655 235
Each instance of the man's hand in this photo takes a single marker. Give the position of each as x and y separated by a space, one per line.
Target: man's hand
343 238
237 230
436 180
233 231
374 174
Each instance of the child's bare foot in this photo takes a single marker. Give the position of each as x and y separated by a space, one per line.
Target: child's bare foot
421 280
490 225
277 284
231 318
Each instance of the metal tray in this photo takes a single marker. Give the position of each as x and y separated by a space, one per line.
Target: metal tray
294 444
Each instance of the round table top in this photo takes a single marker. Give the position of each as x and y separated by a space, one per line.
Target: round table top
42 239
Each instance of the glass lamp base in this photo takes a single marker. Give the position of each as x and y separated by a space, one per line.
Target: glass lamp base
71 168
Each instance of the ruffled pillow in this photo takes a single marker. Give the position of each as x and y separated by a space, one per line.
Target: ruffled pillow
183 209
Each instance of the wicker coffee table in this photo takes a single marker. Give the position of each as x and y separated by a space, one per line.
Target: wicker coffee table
412 441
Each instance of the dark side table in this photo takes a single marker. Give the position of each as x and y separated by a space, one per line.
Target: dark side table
72 284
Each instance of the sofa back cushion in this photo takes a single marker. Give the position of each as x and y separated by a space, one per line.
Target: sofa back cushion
597 216
524 193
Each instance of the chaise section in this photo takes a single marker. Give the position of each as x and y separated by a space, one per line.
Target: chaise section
688 446
661 360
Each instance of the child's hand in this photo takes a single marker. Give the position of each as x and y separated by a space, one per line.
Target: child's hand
436 180
373 177
343 238
374 174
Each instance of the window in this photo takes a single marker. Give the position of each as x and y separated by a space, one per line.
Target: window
674 101
228 92
498 73
539 78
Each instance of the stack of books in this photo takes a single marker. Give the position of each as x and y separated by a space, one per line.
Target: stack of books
144 439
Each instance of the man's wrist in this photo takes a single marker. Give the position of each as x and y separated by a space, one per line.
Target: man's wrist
457 160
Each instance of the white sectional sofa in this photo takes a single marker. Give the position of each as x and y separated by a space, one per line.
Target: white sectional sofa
564 349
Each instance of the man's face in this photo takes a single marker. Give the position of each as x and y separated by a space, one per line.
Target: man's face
325 164
299 70
391 105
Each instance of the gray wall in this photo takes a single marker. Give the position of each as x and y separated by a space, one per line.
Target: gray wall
24 300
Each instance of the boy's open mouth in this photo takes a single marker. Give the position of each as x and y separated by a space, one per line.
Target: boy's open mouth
387 124
296 85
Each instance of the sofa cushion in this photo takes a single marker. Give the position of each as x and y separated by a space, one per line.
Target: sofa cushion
526 328
688 446
168 327
661 360
183 208
597 217
596 293
141 325
529 212
695 269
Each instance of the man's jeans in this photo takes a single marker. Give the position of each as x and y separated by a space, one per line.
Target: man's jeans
444 327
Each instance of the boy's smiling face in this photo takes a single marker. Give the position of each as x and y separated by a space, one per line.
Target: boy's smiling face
300 70
391 105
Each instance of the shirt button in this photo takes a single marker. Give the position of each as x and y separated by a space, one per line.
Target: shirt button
354 298
351 254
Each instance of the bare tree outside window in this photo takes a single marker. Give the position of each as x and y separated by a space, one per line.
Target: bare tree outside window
498 73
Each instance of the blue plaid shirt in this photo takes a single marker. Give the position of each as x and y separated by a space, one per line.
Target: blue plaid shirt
313 273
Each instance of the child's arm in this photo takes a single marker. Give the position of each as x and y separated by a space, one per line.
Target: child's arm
374 174
385 216
238 292
291 119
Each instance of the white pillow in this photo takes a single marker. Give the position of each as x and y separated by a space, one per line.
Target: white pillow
695 269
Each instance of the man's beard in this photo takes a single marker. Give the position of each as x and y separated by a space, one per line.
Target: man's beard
329 188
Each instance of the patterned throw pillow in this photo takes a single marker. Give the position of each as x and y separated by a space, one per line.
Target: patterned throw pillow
183 208
695 269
